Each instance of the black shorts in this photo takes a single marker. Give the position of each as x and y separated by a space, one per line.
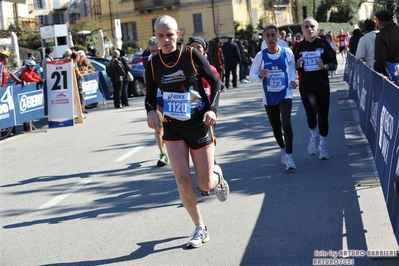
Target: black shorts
193 132
342 48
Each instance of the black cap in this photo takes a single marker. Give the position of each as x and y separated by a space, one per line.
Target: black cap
384 15
30 54
199 40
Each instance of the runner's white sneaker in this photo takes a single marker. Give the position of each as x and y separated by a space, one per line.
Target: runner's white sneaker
289 163
323 153
222 188
283 153
312 148
198 237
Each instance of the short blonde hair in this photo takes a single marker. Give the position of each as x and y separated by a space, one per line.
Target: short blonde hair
116 53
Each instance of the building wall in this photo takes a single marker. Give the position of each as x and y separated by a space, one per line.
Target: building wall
218 20
9 15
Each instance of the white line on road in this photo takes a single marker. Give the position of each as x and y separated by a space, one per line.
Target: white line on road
125 156
63 195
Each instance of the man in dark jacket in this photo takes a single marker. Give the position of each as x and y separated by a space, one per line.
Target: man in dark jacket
125 85
232 57
386 42
215 56
118 73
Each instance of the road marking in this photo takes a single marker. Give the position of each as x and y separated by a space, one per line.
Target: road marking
65 194
125 156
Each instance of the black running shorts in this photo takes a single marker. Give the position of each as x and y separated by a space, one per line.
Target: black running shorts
194 132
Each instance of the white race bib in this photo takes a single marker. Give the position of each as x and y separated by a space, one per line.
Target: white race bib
275 81
177 105
309 60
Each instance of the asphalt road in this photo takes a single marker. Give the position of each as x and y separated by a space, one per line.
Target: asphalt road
91 194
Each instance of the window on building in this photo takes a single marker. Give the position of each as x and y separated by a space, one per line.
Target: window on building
125 1
56 3
42 19
197 21
74 4
97 8
158 3
58 19
129 31
39 4
73 17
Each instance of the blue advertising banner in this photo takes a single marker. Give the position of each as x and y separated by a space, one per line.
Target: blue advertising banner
379 115
7 107
19 104
30 102
93 88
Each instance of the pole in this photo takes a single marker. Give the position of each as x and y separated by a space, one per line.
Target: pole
314 8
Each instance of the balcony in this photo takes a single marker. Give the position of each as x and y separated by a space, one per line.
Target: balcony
145 6
60 8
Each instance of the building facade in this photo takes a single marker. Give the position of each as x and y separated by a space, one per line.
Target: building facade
204 18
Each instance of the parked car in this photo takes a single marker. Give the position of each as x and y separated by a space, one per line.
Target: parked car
137 86
137 57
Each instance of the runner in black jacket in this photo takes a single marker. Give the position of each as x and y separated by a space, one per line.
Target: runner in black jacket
314 58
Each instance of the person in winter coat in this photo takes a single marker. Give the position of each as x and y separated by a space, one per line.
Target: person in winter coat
366 46
125 85
118 73
232 57
215 56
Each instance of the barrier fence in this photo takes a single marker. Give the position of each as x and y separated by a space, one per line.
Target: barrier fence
19 104
377 99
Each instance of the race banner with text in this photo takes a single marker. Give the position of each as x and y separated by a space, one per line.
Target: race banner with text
60 93
94 88
377 99
19 104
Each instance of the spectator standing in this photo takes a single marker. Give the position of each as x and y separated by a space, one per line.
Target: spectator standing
125 84
79 79
85 67
298 38
343 43
117 76
335 48
215 56
275 68
49 52
322 34
354 41
366 46
256 45
314 58
28 75
29 56
232 57
4 74
67 54
245 60
386 43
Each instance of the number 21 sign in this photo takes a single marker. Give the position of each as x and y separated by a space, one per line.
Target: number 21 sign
60 93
